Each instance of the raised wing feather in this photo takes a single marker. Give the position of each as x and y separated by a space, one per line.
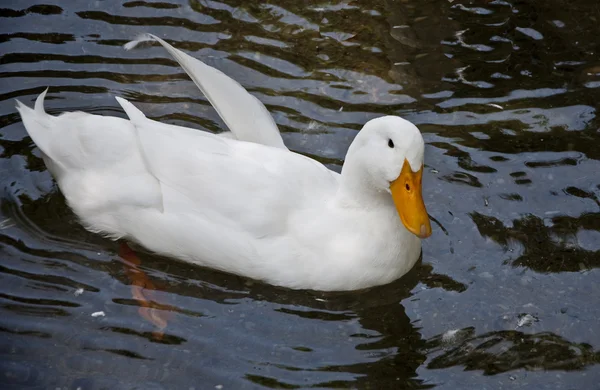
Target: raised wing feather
245 115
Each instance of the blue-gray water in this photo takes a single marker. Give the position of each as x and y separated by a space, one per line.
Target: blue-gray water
506 94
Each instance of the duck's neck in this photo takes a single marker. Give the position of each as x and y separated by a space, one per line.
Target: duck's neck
357 189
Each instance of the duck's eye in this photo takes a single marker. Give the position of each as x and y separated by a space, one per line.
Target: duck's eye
390 143
407 187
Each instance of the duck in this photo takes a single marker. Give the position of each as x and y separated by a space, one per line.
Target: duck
242 202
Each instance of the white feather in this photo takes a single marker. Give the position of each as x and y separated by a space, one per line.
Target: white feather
139 39
245 115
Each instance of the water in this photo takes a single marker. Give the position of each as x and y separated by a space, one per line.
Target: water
506 94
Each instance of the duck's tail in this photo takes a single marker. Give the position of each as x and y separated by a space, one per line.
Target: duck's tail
38 123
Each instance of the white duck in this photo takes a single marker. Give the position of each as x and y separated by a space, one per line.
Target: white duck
250 208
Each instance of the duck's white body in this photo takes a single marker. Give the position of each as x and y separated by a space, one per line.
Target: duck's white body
255 210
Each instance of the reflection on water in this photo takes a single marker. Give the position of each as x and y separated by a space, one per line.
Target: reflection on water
506 95
503 351
143 290
546 246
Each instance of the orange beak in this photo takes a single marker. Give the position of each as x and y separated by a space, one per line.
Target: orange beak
406 193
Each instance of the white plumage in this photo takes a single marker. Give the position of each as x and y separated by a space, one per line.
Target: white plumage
244 203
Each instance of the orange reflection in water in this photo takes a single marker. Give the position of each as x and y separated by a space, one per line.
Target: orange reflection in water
142 290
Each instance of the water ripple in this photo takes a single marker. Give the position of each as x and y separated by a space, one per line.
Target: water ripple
506 96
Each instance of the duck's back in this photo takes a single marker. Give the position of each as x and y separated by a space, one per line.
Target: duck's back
199 171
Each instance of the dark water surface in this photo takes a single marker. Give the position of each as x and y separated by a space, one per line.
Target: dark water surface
506 94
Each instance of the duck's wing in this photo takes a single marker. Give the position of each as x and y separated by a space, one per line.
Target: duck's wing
252 186
245 115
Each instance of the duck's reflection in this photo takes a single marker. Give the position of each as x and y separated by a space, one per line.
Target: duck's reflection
142 290
385 336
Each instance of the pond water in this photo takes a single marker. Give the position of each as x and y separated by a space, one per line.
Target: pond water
506 296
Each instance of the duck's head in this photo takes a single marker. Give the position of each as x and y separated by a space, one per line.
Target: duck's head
388 152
